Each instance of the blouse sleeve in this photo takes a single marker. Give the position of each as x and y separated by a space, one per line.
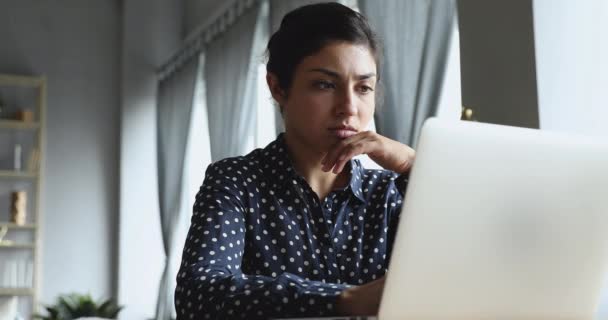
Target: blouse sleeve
394 211
210 282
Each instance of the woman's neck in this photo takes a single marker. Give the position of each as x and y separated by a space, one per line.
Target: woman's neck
307 162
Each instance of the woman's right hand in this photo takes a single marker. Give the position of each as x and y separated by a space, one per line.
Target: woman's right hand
361 300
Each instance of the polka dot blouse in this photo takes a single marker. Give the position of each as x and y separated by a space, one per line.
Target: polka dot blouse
261 243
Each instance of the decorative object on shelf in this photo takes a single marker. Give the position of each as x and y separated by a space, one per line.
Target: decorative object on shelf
18 207
17 157
24 115
3 231
467 114
34 160
74 306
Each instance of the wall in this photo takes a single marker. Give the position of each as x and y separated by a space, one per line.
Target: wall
572 68
75 44
151 32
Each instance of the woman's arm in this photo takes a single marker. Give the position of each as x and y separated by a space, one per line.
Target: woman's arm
210 282
365 299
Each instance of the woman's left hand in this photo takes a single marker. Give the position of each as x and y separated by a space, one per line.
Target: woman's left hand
390 154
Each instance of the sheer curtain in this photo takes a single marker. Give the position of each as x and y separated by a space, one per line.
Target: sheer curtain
175 99
231 82
198 150
416 38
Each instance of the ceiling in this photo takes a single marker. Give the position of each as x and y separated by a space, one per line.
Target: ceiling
198 12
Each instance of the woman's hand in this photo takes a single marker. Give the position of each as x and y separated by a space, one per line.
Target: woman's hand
390 154
361 300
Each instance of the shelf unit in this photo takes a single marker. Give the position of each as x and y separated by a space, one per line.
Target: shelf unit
17 245
16 226
14 124
22 292
18 174
37 128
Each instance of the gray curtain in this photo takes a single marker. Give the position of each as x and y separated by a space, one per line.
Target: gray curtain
278 9
416 36
231 86
174 108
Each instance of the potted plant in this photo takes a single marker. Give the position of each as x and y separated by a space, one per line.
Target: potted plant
75 306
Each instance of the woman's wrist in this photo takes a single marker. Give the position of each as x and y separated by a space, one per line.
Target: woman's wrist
411 156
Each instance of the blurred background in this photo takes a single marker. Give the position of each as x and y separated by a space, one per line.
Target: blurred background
111 110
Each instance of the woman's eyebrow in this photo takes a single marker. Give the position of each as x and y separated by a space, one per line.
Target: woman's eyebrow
334 74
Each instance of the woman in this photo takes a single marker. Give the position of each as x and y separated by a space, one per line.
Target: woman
299 228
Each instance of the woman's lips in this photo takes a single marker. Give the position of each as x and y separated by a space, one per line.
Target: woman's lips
342 133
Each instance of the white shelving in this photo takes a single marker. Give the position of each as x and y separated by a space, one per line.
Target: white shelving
16 226
14 124
31 176
18 174
16 292
17 245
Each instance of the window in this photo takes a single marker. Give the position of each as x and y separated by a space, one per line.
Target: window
266 130
450 101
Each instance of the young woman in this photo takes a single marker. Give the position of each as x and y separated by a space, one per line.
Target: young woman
300 228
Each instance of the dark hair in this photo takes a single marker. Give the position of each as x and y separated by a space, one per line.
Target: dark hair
306 30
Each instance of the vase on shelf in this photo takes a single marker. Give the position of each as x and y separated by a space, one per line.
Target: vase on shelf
18 207
17 157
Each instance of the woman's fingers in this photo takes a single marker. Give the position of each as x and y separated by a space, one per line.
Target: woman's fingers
348 153
333 154
338 155
343 151
389 154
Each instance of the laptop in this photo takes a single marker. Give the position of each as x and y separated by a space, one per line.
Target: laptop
500 223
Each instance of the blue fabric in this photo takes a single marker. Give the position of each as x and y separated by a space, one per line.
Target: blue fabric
261 244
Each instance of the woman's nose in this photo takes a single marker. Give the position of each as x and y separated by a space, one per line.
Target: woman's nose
347 104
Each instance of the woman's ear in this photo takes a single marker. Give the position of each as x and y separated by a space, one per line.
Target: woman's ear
277 93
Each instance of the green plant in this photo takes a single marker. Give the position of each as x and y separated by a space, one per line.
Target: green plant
74 306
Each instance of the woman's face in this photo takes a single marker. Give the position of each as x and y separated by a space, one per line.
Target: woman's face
331 96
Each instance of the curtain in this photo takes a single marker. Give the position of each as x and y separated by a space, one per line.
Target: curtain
230 79
416 37
174 108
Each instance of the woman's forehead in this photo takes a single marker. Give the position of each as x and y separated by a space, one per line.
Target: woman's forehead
345 59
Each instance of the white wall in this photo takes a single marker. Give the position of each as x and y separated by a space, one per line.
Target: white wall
75 44
572 63
450 101
151 32
572 71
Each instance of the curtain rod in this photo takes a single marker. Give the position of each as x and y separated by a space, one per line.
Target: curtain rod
196 42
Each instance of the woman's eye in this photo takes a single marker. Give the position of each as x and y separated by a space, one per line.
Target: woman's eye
365 89
324 85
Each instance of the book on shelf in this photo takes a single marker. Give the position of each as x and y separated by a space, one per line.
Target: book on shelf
16 274
33 162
